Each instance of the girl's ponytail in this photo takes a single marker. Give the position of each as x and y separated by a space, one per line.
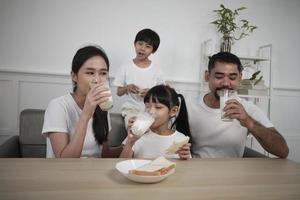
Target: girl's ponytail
182 122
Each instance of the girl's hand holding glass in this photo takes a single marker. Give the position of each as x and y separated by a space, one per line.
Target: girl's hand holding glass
131 138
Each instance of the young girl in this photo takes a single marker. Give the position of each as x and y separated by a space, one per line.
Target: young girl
165 104
74 124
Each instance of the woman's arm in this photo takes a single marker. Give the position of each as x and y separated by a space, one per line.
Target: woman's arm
63 147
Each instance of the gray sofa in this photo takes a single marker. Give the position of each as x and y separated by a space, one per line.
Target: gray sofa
31 143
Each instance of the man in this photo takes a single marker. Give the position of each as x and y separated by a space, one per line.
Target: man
212 137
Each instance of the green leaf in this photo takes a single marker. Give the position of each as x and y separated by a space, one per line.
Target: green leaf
258 80
253 77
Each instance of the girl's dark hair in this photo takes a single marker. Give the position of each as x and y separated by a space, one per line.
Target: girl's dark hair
100 123
149 36
168 96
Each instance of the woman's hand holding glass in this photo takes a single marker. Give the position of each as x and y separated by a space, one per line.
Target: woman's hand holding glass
98 94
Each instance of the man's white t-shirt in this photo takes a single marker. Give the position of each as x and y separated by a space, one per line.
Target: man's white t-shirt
147 77
214 138
152 145
62 115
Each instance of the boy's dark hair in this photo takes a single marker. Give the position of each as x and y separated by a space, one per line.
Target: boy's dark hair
168 96
149 36
100 123
224 57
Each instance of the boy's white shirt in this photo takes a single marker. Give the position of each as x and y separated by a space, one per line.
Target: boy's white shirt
147 77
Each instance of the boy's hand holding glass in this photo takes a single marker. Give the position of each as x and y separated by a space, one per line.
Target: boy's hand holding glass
131 88
143 92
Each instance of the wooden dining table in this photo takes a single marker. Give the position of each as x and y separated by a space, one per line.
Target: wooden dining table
92 178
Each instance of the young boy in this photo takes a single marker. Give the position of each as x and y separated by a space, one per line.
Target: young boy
136 77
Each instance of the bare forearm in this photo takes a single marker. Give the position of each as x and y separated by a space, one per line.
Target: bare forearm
127 152
270 139
75 146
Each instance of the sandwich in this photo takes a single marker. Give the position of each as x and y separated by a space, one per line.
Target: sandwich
172 149
157 167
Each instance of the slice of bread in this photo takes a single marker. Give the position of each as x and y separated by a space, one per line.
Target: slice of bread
157 167
176 145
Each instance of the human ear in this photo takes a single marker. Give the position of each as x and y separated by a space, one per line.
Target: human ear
174 110
206 75
241 75
74 77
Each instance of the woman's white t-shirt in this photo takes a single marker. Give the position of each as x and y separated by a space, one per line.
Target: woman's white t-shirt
62 115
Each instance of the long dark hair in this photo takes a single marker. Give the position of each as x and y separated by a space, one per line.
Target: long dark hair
169 97
100 123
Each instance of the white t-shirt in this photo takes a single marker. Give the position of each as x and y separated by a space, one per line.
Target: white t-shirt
214 138
147 77
62 115
152 145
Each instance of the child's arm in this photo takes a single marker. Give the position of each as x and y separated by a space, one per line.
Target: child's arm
127 151
126 89
130 140
184 152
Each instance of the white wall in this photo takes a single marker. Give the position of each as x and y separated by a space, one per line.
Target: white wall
42 36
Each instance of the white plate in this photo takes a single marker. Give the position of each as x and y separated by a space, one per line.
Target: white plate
124 166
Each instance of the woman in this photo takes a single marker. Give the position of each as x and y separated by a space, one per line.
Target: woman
74 124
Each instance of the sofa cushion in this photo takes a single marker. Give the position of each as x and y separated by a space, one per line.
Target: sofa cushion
31 124
118 132
32 142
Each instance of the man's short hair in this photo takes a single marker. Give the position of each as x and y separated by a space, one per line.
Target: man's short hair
149 36
224 57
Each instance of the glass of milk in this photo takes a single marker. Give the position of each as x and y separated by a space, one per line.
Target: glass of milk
225 95
108 104
142 123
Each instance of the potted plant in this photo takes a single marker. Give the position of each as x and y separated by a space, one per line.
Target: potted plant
231 29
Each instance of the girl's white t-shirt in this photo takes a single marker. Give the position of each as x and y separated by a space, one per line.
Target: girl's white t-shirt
62 115
152 145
